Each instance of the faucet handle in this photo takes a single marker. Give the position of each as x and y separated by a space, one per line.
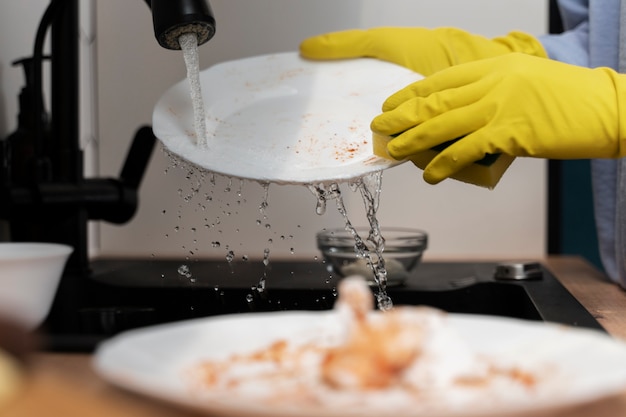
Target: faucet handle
138 157
116 200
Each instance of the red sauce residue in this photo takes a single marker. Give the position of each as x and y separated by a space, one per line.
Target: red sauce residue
524 378
372 357
345 154
291 73
348 151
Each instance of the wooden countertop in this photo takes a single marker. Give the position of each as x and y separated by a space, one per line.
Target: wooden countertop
603 299
64 385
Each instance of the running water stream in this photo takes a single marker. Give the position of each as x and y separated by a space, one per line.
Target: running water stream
189 45
369 186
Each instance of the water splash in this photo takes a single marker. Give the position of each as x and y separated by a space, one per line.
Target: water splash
265 201
324 193
372 246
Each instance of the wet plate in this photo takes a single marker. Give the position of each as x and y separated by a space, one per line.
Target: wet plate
280 118
574 367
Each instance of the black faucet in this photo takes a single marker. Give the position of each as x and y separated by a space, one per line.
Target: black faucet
173 18
44 195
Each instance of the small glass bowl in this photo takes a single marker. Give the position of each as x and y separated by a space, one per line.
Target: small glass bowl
402 252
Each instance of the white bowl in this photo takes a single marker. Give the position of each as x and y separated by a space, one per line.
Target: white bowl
29 277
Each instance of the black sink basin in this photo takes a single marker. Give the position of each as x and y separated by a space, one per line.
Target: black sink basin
126 294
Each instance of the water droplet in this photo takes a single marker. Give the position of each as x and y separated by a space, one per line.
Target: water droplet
264 203
184 271
249 298
384 301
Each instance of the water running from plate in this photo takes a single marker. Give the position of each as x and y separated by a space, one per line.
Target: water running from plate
369 186
228 198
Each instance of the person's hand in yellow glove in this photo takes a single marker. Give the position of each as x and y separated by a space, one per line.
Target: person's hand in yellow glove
425 51
513 104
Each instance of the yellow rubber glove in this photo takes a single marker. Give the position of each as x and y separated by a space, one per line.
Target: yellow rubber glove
425 51
514 104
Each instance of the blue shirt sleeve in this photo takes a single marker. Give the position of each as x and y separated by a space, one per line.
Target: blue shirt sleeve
591 36
573 12
571 46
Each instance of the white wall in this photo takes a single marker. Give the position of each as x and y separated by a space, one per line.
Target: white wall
133 72
17 33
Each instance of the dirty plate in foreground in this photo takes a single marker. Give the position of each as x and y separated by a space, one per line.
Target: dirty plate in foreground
576 366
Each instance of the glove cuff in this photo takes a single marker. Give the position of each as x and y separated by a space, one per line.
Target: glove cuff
517 41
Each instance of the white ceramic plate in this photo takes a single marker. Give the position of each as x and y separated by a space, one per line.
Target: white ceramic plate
280 118
586 365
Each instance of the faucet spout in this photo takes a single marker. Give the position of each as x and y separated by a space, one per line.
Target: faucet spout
173 18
